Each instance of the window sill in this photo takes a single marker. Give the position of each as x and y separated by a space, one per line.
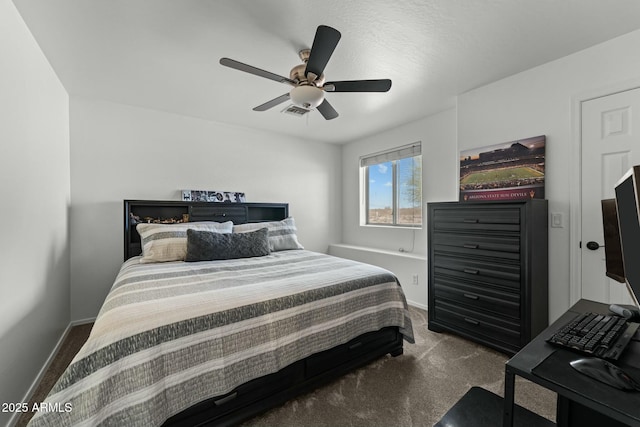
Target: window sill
393 227
365 249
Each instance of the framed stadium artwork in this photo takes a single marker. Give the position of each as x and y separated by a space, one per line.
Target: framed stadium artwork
509 171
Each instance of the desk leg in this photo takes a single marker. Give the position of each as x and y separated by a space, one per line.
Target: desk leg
509 391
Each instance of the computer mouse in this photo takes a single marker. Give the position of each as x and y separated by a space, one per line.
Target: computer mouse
605 372
628 311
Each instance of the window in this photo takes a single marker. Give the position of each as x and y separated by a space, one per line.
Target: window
393 187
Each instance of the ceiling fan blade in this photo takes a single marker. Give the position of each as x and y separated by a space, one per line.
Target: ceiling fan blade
324 44
327 110
255 71
382 85
272 103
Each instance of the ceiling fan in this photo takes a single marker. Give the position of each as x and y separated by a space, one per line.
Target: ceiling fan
308 80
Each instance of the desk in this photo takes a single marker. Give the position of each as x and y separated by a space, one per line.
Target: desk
581 399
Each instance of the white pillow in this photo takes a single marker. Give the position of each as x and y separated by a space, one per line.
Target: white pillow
282 234
168 242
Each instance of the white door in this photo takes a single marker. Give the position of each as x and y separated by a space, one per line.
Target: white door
610 146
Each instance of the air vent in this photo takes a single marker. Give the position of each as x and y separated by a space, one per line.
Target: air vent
294 110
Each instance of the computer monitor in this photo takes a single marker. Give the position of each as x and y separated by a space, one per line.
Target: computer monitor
627 198
612 249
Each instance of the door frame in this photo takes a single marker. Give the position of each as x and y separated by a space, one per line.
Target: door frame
575 179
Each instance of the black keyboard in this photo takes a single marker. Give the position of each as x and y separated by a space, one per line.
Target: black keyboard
600 335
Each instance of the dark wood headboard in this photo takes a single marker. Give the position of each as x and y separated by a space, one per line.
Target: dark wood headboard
177 211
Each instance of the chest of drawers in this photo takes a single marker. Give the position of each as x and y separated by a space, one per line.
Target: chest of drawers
488 271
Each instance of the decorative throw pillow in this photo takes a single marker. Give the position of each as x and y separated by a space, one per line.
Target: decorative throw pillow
208 246
282 234
168 242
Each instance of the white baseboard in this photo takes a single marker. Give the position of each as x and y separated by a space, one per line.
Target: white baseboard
81 322
14 419
36 382
417 305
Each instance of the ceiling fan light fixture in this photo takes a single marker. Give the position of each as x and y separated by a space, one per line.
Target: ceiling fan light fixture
308 79
307 96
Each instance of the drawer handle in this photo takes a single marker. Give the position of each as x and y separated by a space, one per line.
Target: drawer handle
470 246
470 296
471 271
471 220
226 399
220 214
473 322
355 345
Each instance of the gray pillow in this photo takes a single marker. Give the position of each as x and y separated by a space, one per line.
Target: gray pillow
168 242
209 246
282 234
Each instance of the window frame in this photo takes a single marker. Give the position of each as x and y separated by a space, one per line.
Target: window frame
395 158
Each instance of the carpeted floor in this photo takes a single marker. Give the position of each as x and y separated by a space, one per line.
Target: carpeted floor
415 389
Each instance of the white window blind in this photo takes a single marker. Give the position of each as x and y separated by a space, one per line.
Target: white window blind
403 152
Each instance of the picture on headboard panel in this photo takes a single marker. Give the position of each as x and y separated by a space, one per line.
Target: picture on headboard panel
510 171
213 196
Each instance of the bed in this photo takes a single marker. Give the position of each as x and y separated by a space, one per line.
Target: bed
214 342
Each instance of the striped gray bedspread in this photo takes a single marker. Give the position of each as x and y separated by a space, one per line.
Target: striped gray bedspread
171 335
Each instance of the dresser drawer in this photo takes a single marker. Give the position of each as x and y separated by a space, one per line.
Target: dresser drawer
477 297
479 325
481 271
504 247
364 344
477 219
237 214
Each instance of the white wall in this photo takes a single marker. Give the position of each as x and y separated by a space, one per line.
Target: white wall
439 177
34 189
540 102
121 152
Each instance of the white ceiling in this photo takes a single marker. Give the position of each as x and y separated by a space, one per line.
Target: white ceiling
163 54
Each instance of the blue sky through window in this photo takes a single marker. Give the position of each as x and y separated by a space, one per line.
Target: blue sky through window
381 186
